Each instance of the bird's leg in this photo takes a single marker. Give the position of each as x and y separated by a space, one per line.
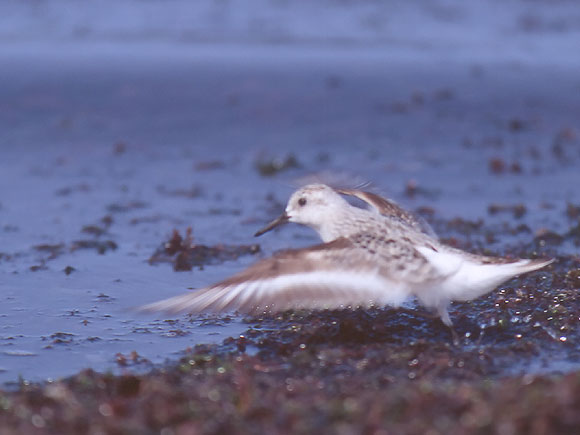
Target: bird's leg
454 336
444 316
481 334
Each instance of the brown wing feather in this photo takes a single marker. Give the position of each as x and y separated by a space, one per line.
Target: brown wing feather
288 261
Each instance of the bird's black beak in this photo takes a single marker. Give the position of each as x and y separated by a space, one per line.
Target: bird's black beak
281 220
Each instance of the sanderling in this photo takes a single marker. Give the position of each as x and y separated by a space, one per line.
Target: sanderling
378 256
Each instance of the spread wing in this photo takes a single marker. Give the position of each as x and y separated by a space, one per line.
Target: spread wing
390 209
332 275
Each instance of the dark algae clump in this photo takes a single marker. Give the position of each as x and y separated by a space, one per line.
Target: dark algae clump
185 254
268 167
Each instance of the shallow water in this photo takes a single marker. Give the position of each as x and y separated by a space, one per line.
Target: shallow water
158 137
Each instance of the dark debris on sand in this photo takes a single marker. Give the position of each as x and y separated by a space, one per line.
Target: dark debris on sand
185 254
268 167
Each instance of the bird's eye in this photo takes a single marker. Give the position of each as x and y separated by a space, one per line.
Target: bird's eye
302 202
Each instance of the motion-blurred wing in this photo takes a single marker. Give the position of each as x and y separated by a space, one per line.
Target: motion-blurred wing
327 276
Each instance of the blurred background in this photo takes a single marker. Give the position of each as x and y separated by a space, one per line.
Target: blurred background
449 25
123 120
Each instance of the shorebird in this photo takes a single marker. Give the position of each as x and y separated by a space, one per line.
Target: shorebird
381 255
